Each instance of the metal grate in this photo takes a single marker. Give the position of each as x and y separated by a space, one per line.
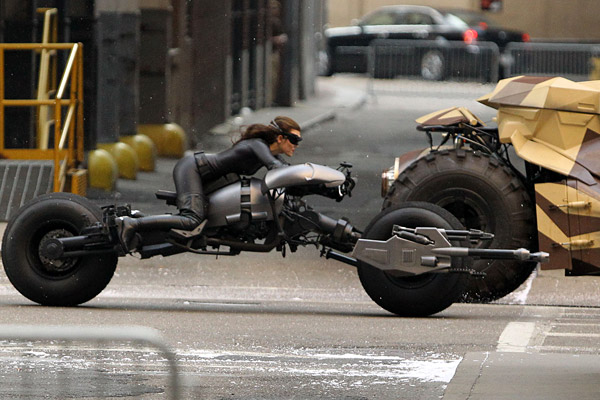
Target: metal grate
433 60
21 181
570 60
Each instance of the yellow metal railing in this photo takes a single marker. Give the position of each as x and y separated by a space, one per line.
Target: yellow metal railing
47 76
68 150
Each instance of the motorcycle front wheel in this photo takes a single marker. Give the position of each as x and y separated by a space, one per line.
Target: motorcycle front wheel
412 296
54 282
482 193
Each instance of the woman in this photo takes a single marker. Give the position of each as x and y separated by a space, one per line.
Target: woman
259 146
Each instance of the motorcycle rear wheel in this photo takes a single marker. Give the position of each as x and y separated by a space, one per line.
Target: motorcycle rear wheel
412 296
62 282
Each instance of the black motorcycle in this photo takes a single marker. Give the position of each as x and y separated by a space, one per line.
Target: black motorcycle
412 260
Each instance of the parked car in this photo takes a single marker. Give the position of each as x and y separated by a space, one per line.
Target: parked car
487 30
347 47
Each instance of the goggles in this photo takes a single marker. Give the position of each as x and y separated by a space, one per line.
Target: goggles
293 139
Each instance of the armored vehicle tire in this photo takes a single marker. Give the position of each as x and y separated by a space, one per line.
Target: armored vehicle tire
483 194
412 296
64 282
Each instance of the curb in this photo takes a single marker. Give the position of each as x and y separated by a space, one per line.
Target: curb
311 123
232 125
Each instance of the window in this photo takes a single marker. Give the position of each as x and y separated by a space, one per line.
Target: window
380 18
415 18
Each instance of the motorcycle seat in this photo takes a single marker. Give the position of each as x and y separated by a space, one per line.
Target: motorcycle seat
168 195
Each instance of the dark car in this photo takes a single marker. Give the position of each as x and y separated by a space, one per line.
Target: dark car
487 29
347 47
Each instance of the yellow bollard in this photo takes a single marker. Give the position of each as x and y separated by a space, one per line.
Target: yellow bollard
144 148
170 139
126 158
102 169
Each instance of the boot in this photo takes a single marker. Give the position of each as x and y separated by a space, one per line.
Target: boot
128 227
193 206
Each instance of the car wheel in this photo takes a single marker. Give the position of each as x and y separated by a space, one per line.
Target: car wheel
432 66
324 64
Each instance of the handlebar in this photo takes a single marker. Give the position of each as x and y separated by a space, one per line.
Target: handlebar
440 128
455 128
348 185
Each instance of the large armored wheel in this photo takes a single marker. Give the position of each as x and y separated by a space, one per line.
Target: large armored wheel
412 296
483 194
54 282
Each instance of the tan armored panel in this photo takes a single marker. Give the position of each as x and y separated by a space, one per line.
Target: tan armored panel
568 215
450 116
551 122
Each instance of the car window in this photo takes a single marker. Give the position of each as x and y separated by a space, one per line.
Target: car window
415 18
471 19
379 18
453 20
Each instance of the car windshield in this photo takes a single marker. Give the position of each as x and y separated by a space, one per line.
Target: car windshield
394 17
453 20
470 18
380 18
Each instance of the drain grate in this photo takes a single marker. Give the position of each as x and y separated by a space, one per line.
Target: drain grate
21 181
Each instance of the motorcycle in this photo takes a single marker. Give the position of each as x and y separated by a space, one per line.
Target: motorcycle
552 126
412 260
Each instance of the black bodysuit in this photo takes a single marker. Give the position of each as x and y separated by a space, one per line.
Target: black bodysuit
243 158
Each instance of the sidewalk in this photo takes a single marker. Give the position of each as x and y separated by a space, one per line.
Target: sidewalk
525 376
332 95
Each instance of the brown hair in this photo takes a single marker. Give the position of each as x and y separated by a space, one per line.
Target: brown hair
269 133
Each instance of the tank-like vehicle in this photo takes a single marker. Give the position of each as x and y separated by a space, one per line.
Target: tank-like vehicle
547 196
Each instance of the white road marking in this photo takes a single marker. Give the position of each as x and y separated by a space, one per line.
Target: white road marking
515 337
569 334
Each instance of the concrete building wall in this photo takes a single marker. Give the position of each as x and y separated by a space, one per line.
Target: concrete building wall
542 19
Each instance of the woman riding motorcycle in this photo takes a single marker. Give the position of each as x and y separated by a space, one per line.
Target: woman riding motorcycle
259 146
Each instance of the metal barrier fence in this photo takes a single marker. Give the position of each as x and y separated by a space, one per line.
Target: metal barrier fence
433 60
53 362
457 61
570 60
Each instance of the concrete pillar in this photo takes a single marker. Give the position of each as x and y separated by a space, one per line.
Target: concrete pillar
181 67
154 81
116 81
108 86
310 27
18 24
212 82
128 48
156 120
260 55
287 93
